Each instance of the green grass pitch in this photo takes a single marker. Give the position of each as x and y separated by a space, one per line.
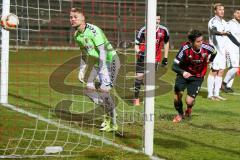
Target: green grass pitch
45 83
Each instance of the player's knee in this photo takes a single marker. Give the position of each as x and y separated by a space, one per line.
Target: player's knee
190 101
220 73
213 72
139 76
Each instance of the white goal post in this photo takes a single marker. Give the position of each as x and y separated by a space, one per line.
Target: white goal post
5 56
150 78
151 7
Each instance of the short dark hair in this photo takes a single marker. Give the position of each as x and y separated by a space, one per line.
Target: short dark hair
236 9
193 35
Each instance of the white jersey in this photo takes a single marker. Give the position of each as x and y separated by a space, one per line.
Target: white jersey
233 50
234 28
217 40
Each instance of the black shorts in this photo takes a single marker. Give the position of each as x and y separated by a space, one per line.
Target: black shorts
140 66
193 85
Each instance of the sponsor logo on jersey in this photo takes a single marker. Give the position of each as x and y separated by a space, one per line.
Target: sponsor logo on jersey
204 55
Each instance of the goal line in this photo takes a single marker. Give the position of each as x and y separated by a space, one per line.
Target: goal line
91 136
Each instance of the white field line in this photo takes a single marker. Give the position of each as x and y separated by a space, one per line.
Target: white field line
43 83
33 156
92 136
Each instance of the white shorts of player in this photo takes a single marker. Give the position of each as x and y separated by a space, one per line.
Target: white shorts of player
219 61
232 59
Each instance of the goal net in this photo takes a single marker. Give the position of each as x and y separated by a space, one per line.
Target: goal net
44 111
47 113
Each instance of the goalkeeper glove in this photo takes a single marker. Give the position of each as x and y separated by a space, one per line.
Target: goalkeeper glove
81 75
164 62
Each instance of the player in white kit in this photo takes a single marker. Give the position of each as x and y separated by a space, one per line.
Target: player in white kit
218 32
233 52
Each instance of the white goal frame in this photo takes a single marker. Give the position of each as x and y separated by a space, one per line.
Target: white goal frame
5 56
150 68
151 10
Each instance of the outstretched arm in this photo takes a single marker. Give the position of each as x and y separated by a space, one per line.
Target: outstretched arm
166 50
177 69
102 58
233 39
214 31
104 74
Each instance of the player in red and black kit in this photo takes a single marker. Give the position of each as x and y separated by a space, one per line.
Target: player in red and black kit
190 65
162 39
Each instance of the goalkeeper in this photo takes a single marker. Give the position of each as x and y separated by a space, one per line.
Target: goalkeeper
93 43
162 39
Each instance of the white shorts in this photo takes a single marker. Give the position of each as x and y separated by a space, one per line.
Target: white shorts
219 61
232 59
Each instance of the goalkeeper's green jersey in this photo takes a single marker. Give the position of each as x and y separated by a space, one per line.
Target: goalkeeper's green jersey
90 39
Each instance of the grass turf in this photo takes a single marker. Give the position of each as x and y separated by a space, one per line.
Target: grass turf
45 83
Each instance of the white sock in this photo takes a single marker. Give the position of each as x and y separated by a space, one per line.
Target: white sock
230 75
210 85
230 83
218 84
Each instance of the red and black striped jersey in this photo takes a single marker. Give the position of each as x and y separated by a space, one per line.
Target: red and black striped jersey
194 62
162 36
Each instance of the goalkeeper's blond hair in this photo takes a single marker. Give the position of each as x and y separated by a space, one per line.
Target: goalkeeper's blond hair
76 10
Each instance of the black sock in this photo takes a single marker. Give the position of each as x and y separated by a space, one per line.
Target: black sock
189 106
224 83
178 106
137 87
